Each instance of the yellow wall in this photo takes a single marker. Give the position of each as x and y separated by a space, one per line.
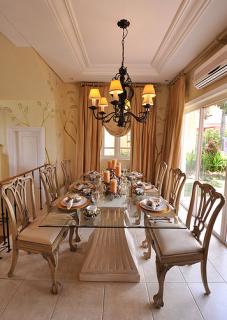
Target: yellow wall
32 95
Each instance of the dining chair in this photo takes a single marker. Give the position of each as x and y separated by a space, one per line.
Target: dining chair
67 173
160 176
176 182
49 180
179 247
19 198
48 175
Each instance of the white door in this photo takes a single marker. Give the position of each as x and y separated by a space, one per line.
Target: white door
26 148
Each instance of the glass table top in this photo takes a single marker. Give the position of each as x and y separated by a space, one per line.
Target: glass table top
121 212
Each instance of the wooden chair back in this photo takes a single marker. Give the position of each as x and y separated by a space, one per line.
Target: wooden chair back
175 185
160 176
49 180
67 173
16 195
205 205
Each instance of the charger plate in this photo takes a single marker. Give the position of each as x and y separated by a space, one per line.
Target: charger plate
163 210
62 204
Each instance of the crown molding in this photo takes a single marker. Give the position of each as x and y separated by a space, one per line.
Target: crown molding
63 13
186 17
8 29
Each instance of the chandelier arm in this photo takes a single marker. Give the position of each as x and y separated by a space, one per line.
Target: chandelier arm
140 118
97 116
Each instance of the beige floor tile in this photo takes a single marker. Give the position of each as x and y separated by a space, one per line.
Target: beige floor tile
126 302
80 301
7 290
178 303
214 306
31 301
192 273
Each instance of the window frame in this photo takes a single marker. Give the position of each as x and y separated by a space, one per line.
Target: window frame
116 148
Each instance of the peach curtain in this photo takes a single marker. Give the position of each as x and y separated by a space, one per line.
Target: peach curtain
143 139
173 128
89 136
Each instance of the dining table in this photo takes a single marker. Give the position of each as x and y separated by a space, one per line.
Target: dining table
111 251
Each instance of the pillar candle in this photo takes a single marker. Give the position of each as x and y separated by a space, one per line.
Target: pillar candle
118 170
106 176
113 186
114 163
109 164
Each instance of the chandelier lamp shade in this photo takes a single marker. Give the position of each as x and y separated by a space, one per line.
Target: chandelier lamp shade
122 92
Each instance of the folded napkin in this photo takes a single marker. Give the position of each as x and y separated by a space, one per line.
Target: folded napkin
69 204
153 203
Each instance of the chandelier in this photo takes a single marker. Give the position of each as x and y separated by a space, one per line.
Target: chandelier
121 91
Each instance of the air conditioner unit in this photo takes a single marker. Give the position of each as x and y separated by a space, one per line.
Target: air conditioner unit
213 69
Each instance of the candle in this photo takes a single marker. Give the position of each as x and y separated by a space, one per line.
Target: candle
118 170
109 164
114 163
106 176
113 186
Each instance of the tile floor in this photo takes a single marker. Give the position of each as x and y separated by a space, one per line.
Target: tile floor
26 296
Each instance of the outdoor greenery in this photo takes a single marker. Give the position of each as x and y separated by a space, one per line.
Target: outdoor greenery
212 158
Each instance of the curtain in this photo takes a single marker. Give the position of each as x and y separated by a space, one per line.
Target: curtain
89 136
143 139
172 136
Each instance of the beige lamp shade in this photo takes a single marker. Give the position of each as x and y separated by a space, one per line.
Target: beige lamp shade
94 94
148 100
115 87
149 90
103 102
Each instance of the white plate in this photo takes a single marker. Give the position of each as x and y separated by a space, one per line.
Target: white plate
82 201
162 207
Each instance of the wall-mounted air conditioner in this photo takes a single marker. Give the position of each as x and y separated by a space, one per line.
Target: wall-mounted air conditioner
213 69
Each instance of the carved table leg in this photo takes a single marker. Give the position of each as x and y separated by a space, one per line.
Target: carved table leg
147 242
73 247
161 273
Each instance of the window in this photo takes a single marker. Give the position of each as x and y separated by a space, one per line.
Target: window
118 147
204 154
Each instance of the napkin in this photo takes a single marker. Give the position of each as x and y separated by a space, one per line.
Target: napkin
69 204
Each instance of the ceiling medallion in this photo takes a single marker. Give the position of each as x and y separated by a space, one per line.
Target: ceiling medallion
121 91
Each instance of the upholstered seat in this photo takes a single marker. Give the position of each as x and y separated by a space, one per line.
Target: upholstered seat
36 234
172 242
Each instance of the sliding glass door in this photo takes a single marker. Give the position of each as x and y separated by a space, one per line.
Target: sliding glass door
204 154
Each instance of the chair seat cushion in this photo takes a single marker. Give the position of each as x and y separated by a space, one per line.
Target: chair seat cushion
43 235
175 242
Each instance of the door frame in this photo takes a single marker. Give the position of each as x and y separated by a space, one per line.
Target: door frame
11 146
212 97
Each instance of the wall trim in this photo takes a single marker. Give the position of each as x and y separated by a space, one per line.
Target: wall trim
208 98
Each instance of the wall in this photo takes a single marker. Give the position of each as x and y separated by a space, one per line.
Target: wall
32 95
193 93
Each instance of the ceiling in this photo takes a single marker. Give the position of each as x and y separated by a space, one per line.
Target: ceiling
80 40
